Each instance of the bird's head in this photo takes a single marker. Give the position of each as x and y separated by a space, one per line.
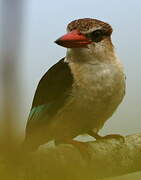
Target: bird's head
87 38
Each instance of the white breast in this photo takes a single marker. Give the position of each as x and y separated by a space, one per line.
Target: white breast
98 89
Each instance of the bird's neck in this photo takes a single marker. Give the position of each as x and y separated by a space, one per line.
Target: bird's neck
94 54
88 68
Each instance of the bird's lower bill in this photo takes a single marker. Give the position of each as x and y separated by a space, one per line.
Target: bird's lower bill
73 44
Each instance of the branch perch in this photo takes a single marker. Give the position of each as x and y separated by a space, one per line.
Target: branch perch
108 158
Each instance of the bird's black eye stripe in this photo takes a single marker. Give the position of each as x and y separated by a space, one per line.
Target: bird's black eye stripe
96 35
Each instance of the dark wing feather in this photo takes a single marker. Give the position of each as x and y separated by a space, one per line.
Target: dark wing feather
52 92
57 80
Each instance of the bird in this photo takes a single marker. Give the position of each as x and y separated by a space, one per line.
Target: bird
81 91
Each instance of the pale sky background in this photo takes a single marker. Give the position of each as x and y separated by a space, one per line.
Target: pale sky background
45 21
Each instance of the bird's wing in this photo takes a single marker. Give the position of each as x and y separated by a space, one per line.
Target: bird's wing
52 92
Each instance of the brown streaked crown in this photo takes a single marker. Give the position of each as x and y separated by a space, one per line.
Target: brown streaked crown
87 25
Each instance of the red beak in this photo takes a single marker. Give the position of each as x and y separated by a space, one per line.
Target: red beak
73 39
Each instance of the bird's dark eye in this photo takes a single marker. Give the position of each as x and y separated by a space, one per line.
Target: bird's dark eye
97 33
96 36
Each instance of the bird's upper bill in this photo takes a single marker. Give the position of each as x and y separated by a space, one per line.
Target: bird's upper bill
73 39
85 31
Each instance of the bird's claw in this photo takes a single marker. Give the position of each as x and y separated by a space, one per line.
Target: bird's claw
114 136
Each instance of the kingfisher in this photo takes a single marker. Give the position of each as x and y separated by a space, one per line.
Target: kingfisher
81 91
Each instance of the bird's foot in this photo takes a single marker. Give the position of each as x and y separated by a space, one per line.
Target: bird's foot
109 136
114 136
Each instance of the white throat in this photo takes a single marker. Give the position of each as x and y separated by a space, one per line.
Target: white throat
94 53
